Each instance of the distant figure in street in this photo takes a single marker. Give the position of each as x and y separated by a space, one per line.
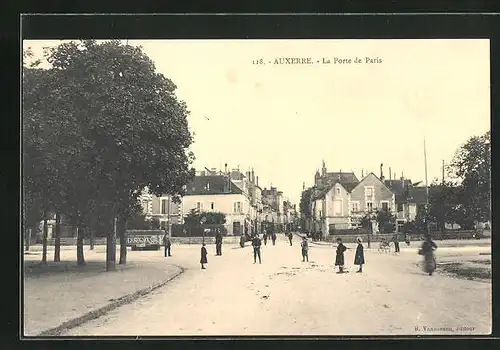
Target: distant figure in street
339 258
359 257
265 237
320 235
290 237
203 259
167 244
407 239
395 239
305 249
273 237
256 243
427 251
218 243
242 241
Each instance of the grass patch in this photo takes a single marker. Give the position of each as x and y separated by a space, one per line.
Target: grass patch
35 269
480 269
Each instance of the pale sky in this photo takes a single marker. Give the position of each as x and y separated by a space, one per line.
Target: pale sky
283 120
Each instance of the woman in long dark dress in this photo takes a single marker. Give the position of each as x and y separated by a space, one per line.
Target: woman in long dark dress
427 251
339 258
203 259
359 258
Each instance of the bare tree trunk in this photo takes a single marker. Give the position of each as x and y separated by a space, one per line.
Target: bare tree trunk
111 249
44 238
122 227
91 238
80 258
57 236
27 238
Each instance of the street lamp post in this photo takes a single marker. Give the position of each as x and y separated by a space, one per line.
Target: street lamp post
202 221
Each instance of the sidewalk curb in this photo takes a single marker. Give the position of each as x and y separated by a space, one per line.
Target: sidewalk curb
94 314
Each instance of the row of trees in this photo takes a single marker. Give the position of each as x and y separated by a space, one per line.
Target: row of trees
465 199
99 126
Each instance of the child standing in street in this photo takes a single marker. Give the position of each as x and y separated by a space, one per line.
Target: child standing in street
203 259
339 258
359 258
305 248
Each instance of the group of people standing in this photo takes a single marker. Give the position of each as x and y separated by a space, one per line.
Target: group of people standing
427 250
359 256
218 249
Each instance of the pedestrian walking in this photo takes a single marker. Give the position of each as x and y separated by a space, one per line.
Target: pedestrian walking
218 243
359 257
167 244
407 239
256 243
290 237
395 239
427 251
265 237
305 249
242 241
320 235
203 259
339 258
273 237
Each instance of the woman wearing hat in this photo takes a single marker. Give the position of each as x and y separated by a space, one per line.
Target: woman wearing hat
359 258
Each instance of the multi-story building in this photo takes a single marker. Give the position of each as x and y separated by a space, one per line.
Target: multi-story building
272 200
219 193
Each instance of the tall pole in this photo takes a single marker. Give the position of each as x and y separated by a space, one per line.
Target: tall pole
426 190
169 227
443 200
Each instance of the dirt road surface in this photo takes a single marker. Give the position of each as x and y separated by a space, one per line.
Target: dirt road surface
285 296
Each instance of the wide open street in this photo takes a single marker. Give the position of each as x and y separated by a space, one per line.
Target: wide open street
285 296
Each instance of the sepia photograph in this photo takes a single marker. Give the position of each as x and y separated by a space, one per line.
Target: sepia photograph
299 187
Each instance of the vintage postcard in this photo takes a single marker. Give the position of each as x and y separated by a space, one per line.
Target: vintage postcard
256 187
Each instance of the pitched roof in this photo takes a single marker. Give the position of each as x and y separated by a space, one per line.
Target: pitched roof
348 177
398 187
323 190
211 185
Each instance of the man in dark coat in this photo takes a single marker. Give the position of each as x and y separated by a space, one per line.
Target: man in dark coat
395 239
167 244
273 237
290 236
203 259
427 250
359 258
339 258
305 249
265 237
218 243
256 243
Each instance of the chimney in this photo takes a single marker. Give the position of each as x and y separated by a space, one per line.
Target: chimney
225 168
382 171
257 179
253 176
390 174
